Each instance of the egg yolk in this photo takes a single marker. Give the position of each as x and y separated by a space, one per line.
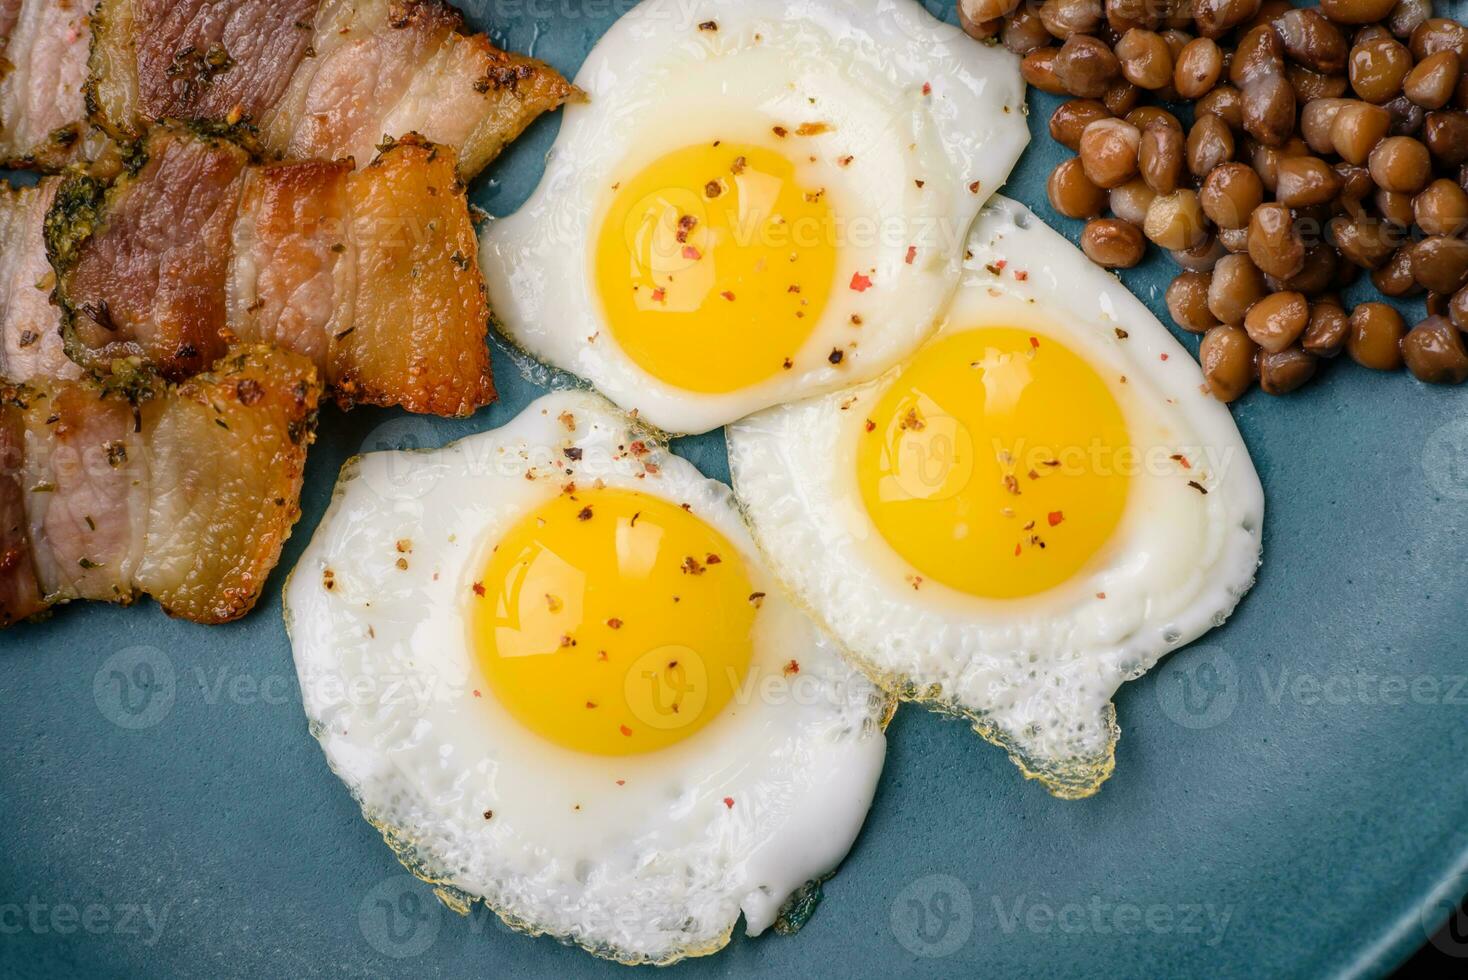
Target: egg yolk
998 463
613 623
714 264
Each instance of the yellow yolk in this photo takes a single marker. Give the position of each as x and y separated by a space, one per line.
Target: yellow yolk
998 463
714 265
611 622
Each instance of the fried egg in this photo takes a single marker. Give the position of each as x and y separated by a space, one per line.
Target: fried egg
550 665
1032 510
760 201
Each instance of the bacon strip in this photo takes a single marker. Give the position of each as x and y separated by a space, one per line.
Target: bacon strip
319 79
369 273
184 493
30 325
43 67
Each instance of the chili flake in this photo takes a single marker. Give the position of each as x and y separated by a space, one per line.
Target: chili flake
692 566
489 814
793 667
871 426
729 802
727 295
756 599
614 623
659 295
584 514
1055 517
713 189
624 730
1198 487
1182 461
781 131
860 283
1121 334
927 88
911 253
709 25
1011 484
1164 357
479 589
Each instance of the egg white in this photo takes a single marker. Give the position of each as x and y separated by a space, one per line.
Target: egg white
1034 675
922 164
647 871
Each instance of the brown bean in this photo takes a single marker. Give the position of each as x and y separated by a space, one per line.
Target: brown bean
1085 66
1458 308
1109 149
979 11
1023 32
1146 60
1375 336
1145 116
1356 11
1227 358
1325 335
1235 240
1440 263
1197 68
1237 285
1131 200
1072 193
1259 52
1434 352
1277 320
1446 135
1378 67
1122 15
1394 207
1175 221
1310 39
1400 163
1356 129
1365 241
1216 18
1303 181
1112 243
1406 115
1274 244
1210 144
1187 301
1071 118
1269 12
1316 119
1439 34
1284 371
1038 69
978 30
1441 209
1318 275
1230 193
1121 97
1407 15
1436 304
1269 108
1265 159
1224 102
1160 158
1356 186
1433 80
1313 85
1063 18
1395 278
1201 257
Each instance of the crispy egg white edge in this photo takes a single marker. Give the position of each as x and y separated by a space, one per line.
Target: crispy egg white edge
975 113
805 848
782 455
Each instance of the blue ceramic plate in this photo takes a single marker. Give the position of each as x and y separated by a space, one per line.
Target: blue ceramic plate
1290 796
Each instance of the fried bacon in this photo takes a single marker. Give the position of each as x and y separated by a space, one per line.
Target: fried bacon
43 67
185 493
30 325
318 79
369 273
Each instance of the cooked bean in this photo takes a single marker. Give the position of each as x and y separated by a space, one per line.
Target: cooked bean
1407 15
1216 18
1187 301
1395 277
1227 358
979 11
1367 242
1071 118
1446 135
1313 85
1063 18
1175 221
1437 304
1201 257
1326 333
1318 274
1237 285
1406 116
1160 158
1440 263
1224 102
1150 115
1356 129
1269 108
1130 201
1378 67
1274 244
1310 39
1458 308
1303 181
1265 159
1112 243
1375 336
1400 163
1277 320
1434 79
1439 34
1072 193
1284 371
1434 352
1230 193
1269 12
1356 11
1023 32
1235 240
980 30
1122 15
1210 144
1356 186
1441 209
1316 120
1085 66
1259 52
1038 69
1146 60
1109 149
1197 68
1121 97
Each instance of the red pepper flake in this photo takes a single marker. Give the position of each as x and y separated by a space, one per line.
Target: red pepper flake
591 705
920 184
999 266
1016 550
974 187
860 283
709 25
729 802
812 129
713 189
1182 461
793 667
911 253
788 364
727 295
781 131
1164 357
479 589
489 814
691 254
856 320
584 514
477 694
1055 517
1100 595
713 559
927 88
624 730
1021 275
756 599
1011 484
686 224
845 161
692 566
1035 342
614 623
1121 334
659 295
1198 487
738 166
621 782
871 426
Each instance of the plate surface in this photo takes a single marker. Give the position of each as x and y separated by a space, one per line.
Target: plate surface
1290 795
